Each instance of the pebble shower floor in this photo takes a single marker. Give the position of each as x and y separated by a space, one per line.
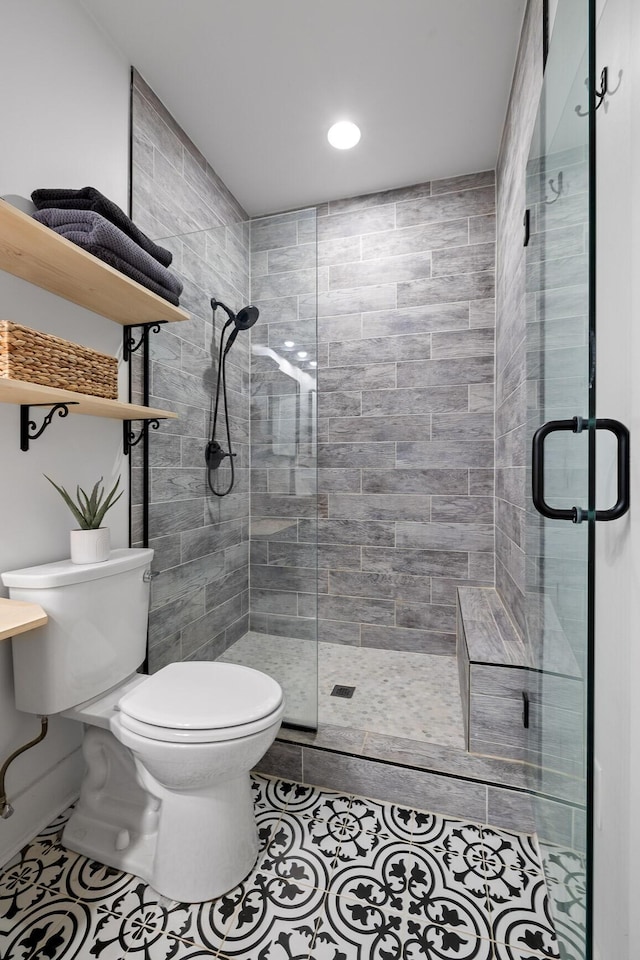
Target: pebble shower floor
337 878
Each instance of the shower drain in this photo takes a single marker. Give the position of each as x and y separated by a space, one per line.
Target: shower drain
341 691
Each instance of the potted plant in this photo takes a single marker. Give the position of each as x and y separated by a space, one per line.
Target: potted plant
92 542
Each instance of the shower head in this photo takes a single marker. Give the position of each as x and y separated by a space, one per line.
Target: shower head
243 319
246 317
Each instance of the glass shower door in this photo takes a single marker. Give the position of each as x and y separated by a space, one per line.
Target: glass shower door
561 447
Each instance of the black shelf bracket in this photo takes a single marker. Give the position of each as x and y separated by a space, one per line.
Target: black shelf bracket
29 428
129 438
130 344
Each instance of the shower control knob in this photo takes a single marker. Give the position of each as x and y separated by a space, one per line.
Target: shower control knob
214 455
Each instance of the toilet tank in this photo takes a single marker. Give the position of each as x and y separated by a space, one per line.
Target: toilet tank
97 630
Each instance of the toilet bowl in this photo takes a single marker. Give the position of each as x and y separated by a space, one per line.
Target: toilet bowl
167 794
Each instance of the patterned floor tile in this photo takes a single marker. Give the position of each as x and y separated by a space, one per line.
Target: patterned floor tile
515 850
337 878
565 873
54 929
276 918
459 849
35 877
433 941
303 851
386 819
523 921
357 930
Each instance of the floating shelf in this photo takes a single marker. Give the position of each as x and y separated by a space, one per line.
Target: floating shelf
20 392
35 253
17 616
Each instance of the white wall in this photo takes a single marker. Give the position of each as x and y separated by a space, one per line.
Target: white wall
617 749
64 123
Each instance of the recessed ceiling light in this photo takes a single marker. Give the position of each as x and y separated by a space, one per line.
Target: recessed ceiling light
343 135
289 344
303 354
313 363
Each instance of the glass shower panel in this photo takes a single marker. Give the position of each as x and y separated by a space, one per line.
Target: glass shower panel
283 635
558 551
201 607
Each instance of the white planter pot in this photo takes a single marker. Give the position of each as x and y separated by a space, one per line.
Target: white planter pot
90 546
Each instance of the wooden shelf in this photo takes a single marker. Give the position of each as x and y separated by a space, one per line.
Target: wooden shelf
17 616
35 253
20 392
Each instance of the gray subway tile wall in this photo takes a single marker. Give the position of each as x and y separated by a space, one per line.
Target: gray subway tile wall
200 599
405 403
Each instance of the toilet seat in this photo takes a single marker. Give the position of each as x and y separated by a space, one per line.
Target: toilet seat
201 702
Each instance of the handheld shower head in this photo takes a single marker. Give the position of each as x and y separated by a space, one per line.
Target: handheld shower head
246 317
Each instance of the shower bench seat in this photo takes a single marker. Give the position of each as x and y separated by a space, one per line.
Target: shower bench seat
499 681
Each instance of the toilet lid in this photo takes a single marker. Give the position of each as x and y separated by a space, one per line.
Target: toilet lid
199 695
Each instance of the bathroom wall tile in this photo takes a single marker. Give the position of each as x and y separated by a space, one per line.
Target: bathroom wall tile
393 784
482 229
352 204
356 454
378 507
481 398
427 237
175 516
390 402
421 482
208 627
358 300
445 536
283 760
476 369
390 586
447 289
426 616
421 563
420 319
461 426
482 313
410 266
347 531
357 222
205 540
409 639
169 618
379 349
443 453
357 376
463 343
461 203
474 258
338 403
408 427
462 509
356 609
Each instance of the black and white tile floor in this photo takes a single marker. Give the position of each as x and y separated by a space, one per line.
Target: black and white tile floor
337 878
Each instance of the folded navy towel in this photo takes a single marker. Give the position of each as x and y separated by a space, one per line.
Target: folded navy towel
102 233
88 198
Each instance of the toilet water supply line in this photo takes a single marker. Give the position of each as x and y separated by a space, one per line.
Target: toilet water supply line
5 807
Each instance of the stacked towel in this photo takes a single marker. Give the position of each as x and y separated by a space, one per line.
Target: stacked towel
88 198
100 237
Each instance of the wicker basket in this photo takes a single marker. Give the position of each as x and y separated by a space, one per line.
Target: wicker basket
36 357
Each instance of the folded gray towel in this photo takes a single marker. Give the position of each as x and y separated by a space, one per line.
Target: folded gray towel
99 232
108 256
88 198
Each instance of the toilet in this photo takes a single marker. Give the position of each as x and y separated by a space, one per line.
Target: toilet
166 795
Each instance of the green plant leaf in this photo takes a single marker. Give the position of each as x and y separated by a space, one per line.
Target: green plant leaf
89 509
109 502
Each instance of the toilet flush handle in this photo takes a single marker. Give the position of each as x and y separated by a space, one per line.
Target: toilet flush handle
150 575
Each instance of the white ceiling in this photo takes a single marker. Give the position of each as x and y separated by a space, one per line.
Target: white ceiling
257 83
